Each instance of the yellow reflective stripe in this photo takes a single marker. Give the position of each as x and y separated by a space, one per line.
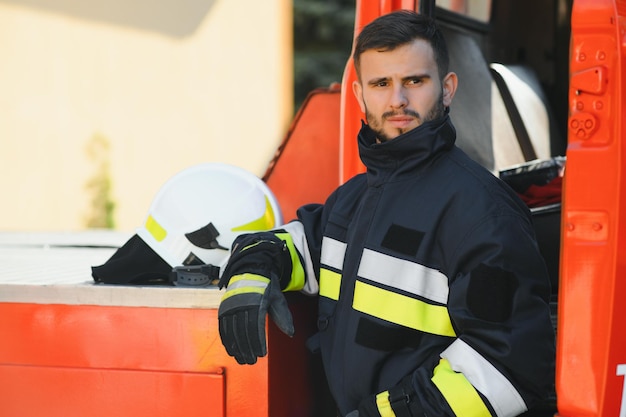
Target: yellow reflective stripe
458 392
400 309
265 222
251 245
296 283
243 290
330 284
246 284
383 404
491 383
155 229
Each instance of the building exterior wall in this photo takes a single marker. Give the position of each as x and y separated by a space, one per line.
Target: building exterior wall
102 102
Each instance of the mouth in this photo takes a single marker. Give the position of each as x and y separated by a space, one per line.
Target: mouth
400 122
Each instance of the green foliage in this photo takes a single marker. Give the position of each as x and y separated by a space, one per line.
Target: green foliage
102 208
323 32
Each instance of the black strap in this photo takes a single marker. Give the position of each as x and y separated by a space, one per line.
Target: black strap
195 275
516 119
313 344
427 7
399 401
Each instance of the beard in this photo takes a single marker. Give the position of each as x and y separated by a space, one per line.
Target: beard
437 111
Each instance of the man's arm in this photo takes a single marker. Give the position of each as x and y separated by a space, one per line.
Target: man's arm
262 266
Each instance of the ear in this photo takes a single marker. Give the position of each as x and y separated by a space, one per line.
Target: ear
357 89
450 83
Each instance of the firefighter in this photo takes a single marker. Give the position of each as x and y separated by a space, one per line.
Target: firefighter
433 296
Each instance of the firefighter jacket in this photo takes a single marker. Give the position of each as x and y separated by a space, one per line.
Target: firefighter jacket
428 269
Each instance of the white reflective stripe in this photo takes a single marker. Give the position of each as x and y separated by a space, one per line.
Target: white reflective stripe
502 395
296 230
333 253
247 280
405 275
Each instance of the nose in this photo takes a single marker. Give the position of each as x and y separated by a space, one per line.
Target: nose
398 98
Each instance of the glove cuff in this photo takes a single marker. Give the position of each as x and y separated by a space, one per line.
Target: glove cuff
259 253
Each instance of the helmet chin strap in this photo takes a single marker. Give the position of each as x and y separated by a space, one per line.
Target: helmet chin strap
195 275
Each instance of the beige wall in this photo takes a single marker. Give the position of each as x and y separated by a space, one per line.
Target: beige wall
133 92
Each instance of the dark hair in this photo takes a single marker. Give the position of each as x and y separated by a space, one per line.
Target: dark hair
398 28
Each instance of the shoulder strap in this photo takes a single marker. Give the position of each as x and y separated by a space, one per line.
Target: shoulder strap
516 119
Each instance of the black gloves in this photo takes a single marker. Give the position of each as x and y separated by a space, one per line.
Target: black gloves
258 269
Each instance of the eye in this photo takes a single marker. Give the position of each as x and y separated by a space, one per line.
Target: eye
379 82
414 81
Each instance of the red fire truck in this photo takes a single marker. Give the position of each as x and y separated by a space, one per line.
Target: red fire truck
541 90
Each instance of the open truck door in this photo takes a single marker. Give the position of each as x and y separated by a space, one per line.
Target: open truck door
591 344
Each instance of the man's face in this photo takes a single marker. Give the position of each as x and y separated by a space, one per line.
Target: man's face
400 89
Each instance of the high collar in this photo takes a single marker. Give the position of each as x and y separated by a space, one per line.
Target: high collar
407 153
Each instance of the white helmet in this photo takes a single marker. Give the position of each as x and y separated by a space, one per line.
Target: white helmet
197 214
